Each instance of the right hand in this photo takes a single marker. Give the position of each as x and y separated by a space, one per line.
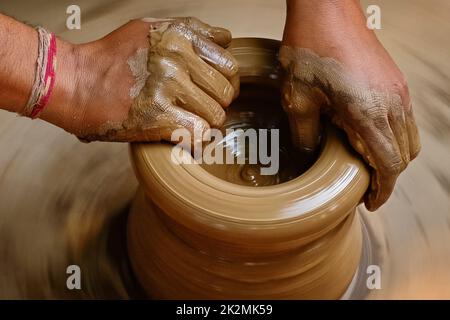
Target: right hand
335 65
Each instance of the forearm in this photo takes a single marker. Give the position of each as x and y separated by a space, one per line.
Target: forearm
18 52
307 20
18 56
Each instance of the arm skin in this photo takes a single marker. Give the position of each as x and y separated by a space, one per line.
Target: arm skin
336 66
78 76
18 52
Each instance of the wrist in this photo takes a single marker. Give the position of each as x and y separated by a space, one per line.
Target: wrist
99 90
309 22
77 79
62 103
321 11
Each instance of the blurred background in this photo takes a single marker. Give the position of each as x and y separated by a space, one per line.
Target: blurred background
63 202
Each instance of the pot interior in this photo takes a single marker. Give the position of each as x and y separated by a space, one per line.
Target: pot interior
256 138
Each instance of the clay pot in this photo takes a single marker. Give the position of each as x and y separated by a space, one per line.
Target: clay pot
193 235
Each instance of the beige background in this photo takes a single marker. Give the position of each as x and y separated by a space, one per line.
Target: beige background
63 202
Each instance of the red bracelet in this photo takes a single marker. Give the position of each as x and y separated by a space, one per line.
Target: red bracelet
49 79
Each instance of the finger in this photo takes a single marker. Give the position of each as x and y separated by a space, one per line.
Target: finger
353 136
359 145
221 59
236 84
220 36
382 186
195 100
399 129
413 133
176 122
216 56
383 155
178 118
172 128
159 128
208 78
303 112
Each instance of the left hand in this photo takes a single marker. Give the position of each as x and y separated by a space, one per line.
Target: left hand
109 104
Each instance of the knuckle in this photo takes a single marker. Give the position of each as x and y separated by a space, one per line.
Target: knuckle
179 27
393 167
300 100
400 86
170 69
402 83
302 107
200 125
376 112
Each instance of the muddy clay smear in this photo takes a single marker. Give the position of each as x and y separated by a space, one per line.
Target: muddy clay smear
76 202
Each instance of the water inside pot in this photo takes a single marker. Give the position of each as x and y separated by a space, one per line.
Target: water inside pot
277 161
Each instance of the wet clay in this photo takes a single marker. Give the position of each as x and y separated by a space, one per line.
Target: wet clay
194 235
188 81
258 107
138 67
380 126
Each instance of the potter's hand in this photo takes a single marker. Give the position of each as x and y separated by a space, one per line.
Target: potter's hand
139 83
160 75
335 65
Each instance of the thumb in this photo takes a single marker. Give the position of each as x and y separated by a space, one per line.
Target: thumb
303 111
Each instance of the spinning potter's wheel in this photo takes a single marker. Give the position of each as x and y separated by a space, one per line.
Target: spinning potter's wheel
216 232
66 212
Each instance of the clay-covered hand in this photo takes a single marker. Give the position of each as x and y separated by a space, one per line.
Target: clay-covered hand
345 73
153 76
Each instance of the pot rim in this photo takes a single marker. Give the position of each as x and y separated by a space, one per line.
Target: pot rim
319 198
